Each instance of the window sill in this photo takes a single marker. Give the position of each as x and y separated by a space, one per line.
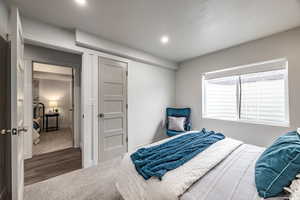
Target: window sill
277 124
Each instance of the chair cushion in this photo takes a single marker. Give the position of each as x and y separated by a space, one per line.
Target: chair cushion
278 165
176 123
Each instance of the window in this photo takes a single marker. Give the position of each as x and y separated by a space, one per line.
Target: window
256 93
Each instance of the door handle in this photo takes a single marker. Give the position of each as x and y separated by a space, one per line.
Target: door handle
101 115
22 130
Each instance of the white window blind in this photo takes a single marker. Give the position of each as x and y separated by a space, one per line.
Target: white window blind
263 96
258 94
220 98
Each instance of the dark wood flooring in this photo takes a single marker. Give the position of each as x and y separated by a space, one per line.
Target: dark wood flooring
48 165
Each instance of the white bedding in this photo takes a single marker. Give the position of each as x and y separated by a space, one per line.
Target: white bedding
132 186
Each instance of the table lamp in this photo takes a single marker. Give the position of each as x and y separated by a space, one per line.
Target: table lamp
53 104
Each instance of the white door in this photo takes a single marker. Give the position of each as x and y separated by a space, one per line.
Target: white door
112 109
17 105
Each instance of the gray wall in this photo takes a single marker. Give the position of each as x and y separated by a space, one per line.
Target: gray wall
50 56
3 19
150 90
188 84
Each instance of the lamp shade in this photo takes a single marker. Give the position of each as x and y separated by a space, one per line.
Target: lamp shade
53 104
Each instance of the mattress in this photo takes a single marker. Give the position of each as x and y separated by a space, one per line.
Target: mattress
232 179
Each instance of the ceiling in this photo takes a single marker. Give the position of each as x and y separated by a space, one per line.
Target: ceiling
195 27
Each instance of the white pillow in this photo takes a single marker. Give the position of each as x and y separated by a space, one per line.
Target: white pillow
176 123
294 189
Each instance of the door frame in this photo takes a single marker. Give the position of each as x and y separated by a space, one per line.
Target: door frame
99 96
29 101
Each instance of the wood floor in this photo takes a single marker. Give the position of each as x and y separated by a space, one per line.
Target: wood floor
45 166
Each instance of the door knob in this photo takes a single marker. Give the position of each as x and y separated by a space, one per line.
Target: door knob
9 131
101 115
4 131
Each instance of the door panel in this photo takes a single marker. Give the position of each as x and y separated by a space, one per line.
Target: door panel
5 178
112 106
17 105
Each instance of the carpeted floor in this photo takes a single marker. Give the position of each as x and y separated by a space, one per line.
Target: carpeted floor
96 183
53 141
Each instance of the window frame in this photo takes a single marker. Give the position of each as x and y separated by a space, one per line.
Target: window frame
283 62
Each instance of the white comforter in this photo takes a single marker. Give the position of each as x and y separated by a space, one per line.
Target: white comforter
174 183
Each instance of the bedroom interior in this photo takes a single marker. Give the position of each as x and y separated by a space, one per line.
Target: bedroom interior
111 102
52 100
52 108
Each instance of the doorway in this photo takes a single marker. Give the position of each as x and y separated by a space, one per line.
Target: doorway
53 134
52 90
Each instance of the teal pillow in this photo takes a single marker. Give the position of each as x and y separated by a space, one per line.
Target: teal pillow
278 165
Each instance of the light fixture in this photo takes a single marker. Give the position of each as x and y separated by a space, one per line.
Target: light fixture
53 104
81 2
164 39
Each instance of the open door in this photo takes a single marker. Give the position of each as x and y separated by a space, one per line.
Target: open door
5 143
17 106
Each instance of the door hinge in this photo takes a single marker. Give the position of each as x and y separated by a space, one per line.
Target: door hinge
126 73
126 106
126 139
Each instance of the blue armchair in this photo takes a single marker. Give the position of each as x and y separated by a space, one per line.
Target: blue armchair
179 112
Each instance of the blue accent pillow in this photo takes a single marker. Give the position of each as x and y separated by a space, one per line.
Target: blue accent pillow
278 165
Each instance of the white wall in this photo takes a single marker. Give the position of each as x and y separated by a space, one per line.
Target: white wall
4 16
150 90
188 84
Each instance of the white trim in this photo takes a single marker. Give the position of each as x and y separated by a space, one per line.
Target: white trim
95 120
77 107
287 95
28 108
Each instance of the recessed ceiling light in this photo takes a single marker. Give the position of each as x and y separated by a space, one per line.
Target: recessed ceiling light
164 39
81 2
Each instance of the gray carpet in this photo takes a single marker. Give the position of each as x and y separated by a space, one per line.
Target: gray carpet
96 183
53 141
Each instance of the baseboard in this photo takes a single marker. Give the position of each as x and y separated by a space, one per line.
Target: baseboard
27 156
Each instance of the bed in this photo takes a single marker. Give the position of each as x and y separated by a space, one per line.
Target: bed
231 177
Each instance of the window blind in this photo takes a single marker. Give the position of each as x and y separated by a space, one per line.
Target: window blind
263 96
220 98
256 93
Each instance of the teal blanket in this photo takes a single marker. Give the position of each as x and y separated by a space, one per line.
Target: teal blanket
156 161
